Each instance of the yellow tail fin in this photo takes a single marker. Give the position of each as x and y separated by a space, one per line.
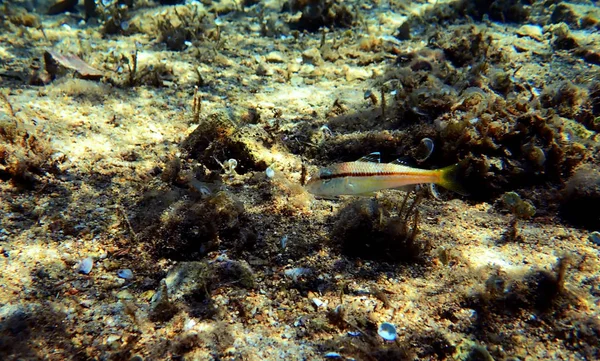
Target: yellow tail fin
450 178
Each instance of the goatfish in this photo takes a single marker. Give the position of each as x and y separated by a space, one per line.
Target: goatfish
368 175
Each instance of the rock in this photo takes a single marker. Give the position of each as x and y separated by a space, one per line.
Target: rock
532 31
162 309
312 56
353 73
274 57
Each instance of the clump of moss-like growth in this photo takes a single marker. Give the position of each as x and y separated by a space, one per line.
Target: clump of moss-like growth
182 228
520 208
180 25
373 229
218 138
24 155
464 46
115 17
319 13
566 99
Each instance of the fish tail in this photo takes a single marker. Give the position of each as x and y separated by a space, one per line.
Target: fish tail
450 178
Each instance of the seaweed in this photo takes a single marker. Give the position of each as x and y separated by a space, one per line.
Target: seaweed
180 26
374 229
316 14
25 156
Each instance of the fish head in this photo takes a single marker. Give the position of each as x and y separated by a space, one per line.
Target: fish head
321 183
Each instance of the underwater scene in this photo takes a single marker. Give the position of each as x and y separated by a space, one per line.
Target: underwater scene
299 180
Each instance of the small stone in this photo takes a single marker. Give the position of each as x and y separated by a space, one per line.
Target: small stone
312 56
263 70
274 57
162 309
124 295
353 73
387 331
532 31
125 274
86 265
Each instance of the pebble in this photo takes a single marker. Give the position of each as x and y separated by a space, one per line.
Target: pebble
125 273
124 295
387 331
594 237
294 273
532 31
86 265
274 57
312 56
353 73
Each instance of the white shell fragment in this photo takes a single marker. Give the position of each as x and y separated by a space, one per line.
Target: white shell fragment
270 172
332 355
126 274
317 302
387 331
86 265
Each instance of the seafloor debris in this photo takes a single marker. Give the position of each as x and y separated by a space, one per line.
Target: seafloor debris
381 229
387 331
244 253
85 266
316 14
54 60
125 273
521 208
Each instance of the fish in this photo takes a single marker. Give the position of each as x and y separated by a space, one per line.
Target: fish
368 175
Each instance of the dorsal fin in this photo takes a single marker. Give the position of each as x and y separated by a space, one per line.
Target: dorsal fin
402 161
374 157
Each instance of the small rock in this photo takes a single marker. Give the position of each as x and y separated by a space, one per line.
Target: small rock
86 265
125 274
124 295
532 31
387 331
162 308
263 70
353 73
86 303
312 56
274 57
294 273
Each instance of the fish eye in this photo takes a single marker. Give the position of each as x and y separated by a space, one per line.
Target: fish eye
325 172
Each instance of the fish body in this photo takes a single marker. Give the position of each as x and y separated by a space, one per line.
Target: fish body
367 175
